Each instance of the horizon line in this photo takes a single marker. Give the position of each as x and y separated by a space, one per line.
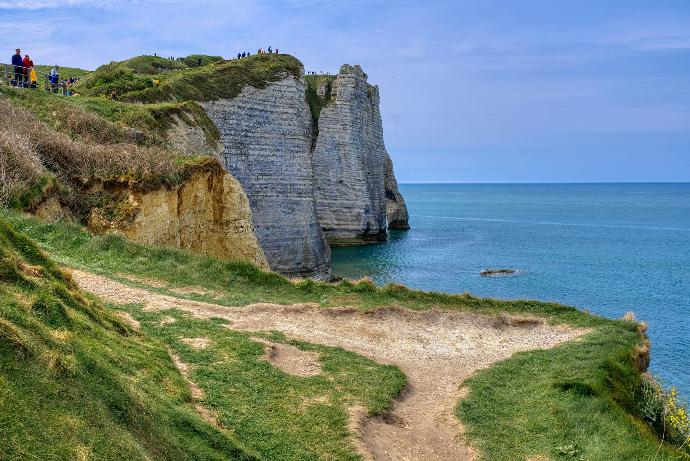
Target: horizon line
541 182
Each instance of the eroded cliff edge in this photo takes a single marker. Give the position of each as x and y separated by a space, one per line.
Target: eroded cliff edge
396 209
207 214
313 177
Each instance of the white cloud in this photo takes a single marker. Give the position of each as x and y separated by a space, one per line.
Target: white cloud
47 4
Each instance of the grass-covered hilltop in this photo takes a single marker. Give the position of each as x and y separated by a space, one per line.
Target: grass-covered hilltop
117 343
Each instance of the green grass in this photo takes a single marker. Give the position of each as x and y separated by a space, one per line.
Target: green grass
316 102
573 402
145 64
281 416
76 383
217 80
577 401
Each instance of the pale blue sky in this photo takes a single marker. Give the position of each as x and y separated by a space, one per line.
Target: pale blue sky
472 90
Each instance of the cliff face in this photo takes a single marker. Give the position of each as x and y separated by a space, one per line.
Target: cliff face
396 210
349 161
312 174
267 137
208 214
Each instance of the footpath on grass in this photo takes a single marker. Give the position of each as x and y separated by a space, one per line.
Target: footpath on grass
437 350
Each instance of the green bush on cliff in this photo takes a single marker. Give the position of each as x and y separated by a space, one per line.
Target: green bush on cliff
316 102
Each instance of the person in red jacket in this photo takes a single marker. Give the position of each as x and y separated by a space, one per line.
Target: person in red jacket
27 64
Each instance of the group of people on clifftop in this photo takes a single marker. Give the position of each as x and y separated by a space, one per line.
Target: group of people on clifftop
24 75
269 50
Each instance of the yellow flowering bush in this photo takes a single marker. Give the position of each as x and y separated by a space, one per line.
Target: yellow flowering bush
666 412
677 418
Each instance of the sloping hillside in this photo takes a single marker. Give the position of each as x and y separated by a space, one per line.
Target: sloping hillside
76 382
585 397
77 165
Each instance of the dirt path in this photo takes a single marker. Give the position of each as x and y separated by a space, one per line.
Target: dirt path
437 350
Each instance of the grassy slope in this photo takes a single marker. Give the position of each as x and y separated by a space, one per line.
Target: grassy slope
65 72
110 118
573 402
76 383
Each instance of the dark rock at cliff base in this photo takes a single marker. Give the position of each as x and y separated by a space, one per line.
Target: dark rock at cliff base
495 272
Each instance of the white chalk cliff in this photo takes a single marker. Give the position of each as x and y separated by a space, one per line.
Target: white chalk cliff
266 135
310 181
349 162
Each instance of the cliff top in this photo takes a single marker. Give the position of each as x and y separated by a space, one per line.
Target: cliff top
150 79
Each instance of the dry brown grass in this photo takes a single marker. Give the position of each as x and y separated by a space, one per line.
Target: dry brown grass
31 150
19 168
89 127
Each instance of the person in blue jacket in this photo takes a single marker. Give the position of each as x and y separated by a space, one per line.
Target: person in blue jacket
18 68
54 78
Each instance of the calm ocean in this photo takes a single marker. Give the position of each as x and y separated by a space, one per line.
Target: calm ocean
609 248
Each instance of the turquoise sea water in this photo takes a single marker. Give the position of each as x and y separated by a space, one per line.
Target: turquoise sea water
609 248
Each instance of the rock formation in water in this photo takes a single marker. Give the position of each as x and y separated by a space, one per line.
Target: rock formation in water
267 137
349 161
207 214
396 210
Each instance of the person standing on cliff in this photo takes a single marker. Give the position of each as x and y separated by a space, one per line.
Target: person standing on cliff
27 64
18 64
33 78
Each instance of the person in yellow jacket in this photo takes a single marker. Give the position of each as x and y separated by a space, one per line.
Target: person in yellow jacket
33 78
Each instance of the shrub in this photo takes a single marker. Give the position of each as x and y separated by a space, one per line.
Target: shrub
31 153
665 412
19 168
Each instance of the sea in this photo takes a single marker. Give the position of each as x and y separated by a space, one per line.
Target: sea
608 248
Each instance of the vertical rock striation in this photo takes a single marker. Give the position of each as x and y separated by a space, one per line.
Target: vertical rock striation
267 137
349 156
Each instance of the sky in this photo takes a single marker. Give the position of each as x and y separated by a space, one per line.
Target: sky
471 90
